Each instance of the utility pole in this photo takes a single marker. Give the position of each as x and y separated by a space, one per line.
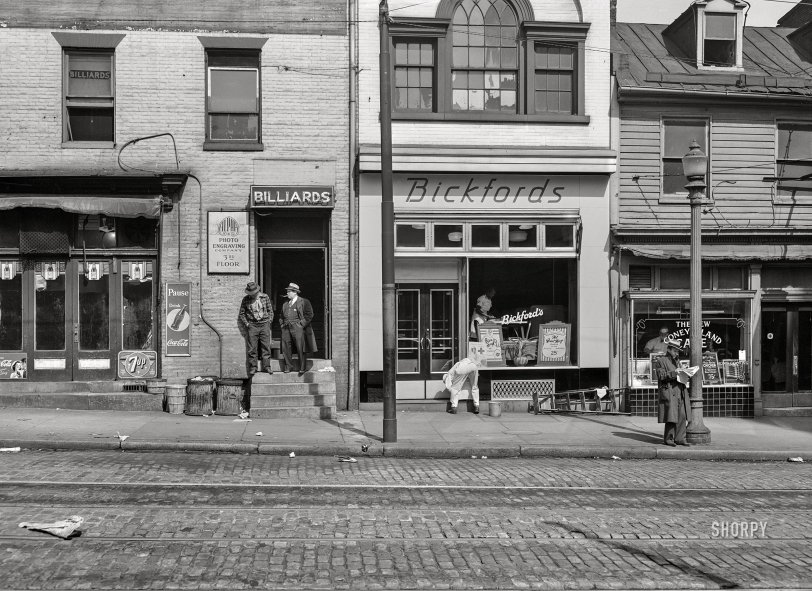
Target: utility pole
390 420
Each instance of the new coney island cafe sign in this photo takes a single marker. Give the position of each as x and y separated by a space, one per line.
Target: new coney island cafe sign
276 196
466 192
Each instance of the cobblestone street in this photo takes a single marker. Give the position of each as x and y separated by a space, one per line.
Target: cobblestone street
197 521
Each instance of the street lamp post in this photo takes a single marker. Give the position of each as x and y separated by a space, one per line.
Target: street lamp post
695 166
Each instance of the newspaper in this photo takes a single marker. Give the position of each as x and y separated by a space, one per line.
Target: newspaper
684 374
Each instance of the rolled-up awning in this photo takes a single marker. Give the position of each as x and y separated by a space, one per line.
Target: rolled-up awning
719 252
122 206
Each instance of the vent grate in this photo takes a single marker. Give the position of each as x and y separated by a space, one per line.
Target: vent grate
520 389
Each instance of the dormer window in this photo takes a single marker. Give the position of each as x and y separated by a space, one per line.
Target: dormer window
720 40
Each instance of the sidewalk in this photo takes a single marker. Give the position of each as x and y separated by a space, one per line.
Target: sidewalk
419 435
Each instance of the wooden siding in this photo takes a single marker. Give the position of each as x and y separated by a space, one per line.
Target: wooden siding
742 150
302 17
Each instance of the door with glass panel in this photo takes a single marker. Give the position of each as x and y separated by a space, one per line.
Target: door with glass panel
786 355
427 337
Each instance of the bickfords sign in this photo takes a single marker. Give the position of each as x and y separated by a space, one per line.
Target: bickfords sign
267 196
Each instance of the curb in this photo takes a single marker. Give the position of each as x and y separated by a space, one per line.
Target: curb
279 449
396 450
110 443
236 448
553 451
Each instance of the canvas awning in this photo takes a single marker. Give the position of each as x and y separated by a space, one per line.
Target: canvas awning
720 252
122 206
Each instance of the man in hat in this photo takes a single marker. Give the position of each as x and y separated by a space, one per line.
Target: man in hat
295 319
657 344
256 314
673 405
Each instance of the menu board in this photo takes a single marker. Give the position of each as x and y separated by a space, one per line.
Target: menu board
711 373
490 337
554 344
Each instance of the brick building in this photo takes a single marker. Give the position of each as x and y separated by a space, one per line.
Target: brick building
501 163
132 134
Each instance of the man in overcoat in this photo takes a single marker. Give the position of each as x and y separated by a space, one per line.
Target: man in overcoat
295 319
673 405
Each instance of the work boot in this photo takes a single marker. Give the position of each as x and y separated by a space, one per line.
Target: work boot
453 410
476 409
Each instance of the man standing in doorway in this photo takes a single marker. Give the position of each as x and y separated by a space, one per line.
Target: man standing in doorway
297 314
256 314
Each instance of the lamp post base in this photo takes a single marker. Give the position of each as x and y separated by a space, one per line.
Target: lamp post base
698 434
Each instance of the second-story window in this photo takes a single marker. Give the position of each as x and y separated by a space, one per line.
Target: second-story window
233 97
677 137
89 107
793 159
414 75
484 68
720 40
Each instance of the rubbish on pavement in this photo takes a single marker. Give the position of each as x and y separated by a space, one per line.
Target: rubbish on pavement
616 458
243 415
796 459
473 457
11 449
122 437
259 433
241 421
365 448
292 455
347 459
484 457
61 529
331 369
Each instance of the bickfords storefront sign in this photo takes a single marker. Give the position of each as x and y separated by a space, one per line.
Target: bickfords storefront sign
464 192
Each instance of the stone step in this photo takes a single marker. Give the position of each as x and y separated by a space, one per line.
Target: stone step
292 388
128 401
279 377
312 364
789 411
309 412
258 402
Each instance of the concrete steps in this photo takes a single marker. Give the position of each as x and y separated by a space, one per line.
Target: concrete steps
789 411
282 395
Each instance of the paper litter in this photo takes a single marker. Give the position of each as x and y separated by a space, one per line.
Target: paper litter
347 459
796 459
61 529
10 449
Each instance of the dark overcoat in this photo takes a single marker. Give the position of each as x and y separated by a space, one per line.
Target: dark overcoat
304 310
671 392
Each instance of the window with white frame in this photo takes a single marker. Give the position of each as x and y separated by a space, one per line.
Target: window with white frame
677 137
558 237
491 62
233 96
793 160
89 103
719 45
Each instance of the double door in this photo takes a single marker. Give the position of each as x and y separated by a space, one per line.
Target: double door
786 355
427 338
79 314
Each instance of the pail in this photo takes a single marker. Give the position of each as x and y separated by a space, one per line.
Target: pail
156 386
229 396
200 396
175 398
495 409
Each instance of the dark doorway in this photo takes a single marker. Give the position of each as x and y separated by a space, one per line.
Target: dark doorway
306 268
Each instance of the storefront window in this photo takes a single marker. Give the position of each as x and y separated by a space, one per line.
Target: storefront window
448 236
725 337
522 236
101 231
410 235
511 301
10 229
558 236
136 291
94 308
11 306
485 236
50 307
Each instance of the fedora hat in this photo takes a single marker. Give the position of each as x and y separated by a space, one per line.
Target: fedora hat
251 288
292 287
673 344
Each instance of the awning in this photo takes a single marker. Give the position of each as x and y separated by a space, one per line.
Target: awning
720 252
122 206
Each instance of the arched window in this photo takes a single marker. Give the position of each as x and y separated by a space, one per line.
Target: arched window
488 60
485 60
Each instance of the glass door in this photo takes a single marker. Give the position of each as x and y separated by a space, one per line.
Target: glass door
427 341
786 355
93 351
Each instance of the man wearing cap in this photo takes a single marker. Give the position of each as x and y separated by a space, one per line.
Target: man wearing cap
256 314
673 405
297 314
657 344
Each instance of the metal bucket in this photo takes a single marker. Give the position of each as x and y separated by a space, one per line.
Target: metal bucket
229 396
175 398
495 409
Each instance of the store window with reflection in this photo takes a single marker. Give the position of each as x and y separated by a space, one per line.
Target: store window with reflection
725 337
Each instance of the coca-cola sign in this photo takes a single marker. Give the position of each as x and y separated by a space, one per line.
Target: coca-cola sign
13 366
178 319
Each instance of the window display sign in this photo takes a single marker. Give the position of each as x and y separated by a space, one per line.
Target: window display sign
490 337
711 372
228 242
13 366
178 319
137 364
554 344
